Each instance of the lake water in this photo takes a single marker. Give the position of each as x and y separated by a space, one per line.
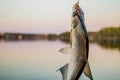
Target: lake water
39 60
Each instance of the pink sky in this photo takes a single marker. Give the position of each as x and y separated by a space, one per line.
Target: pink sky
36 16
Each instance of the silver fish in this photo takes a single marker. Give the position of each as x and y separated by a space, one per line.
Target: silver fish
79 48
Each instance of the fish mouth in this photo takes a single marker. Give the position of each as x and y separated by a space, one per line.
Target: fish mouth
76 10
76 13
76 18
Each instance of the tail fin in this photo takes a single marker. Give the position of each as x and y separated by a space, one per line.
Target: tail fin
87 71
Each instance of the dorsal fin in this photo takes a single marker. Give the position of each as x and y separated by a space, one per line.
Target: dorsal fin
64 71
65 50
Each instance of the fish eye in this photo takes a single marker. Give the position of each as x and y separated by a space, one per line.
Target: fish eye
73 15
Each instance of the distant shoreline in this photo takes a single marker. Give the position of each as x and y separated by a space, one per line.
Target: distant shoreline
106 38
106 34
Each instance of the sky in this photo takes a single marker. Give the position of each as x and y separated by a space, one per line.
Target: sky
54 16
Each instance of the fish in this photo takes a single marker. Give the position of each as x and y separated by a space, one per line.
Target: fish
79 48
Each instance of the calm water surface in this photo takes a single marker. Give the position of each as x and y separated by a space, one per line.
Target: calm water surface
39 60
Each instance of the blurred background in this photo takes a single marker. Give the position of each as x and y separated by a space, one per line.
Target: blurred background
32 32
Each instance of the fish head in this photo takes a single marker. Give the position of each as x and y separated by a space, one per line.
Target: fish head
76 9
77 18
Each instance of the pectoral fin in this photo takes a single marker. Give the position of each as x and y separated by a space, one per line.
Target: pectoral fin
64 71
87 71
65 50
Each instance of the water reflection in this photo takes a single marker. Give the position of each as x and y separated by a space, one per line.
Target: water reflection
39 60
102 43
104 62
109 44
30 60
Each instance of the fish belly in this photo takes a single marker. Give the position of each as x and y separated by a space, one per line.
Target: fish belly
77 57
